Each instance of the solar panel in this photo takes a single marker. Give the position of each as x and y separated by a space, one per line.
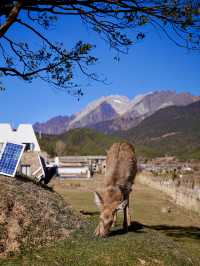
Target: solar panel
10 157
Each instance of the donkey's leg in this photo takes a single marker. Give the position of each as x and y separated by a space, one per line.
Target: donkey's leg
114 219
125 223
128 214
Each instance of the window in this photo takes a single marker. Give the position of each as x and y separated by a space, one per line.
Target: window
29 146
26 170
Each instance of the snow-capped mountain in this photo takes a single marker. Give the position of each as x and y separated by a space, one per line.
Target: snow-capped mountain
103 109
114 112
143 106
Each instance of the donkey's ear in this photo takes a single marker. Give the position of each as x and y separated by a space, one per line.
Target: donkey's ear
98 199
122 205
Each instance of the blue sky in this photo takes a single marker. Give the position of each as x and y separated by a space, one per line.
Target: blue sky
153 64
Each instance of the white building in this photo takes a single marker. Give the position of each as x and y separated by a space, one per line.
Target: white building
80 166
24 134
31 162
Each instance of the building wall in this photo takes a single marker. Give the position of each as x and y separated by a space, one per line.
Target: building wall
23 134
32 159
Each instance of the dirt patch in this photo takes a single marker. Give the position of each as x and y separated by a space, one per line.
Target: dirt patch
32 216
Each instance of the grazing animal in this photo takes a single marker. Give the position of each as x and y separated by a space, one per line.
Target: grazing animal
121 169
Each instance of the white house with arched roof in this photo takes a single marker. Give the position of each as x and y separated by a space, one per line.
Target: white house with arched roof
24 134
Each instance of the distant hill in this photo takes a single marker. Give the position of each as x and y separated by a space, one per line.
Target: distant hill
77 142
173 130
54 126
112 113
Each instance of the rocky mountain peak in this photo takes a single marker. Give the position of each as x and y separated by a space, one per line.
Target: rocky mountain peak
116 112
118 103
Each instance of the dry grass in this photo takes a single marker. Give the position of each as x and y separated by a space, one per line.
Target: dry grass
31 216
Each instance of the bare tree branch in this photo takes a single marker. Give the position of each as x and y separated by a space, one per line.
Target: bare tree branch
11 17
179 20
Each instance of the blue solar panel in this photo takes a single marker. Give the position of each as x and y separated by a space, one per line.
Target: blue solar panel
10 158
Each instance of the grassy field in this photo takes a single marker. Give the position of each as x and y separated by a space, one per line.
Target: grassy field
154 238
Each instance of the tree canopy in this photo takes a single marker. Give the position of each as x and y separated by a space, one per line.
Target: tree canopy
111 19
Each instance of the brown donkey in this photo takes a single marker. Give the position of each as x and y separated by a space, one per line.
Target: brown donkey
121 169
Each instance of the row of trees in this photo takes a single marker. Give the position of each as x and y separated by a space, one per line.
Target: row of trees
111 19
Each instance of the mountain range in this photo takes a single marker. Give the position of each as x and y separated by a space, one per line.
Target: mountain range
116 113
173 130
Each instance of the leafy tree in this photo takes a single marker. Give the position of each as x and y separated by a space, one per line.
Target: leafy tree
111 19
60 147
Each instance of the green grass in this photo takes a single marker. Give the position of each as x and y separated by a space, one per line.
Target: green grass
154 238
83 248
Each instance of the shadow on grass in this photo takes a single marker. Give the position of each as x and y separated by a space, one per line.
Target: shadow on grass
191 232
178 231
172 231
134 227
88 213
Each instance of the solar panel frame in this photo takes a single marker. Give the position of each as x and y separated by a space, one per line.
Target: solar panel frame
8 163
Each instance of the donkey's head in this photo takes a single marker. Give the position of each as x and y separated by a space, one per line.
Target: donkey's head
109 202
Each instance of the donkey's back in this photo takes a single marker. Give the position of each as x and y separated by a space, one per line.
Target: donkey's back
121 166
